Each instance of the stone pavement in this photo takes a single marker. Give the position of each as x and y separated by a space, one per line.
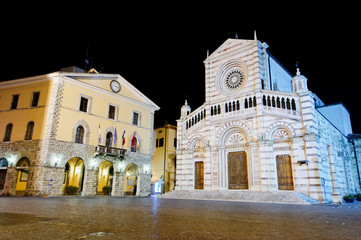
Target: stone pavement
154 218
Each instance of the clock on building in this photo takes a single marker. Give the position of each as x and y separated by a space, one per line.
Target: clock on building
115 86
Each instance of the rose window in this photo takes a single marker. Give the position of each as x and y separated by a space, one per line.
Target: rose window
234 79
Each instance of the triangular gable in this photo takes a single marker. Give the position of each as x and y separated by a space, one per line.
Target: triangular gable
103 81
229 45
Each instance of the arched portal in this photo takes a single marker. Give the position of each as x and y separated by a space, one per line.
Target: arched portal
131 180
74 176
105 178
23 167
3 171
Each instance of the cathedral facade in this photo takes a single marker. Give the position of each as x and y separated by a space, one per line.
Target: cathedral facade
260 129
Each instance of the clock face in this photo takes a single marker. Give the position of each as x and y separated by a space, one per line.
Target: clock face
234 79
115 86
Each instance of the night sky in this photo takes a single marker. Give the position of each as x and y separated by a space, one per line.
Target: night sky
160 49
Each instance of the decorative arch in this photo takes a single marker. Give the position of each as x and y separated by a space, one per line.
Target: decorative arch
111 130
280 129
196 142
86 128
235 131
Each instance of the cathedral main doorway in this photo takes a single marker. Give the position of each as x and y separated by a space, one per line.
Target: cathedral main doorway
284 172
237 170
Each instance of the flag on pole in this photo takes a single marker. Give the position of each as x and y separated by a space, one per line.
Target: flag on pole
133 143
99 136
115 135
123 138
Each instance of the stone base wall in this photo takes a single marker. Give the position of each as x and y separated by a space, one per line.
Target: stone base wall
47 166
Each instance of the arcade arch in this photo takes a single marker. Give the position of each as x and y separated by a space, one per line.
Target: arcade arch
74 174
131 180
23 167
105 178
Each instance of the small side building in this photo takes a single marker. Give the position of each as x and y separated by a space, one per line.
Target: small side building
164 159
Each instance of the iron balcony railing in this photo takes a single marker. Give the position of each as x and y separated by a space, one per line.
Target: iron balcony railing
110 151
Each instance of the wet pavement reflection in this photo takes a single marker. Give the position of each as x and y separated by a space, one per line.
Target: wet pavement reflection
152 218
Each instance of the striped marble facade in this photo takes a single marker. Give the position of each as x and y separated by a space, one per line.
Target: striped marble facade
269 116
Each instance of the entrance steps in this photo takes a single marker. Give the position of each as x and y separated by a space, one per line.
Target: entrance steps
285 197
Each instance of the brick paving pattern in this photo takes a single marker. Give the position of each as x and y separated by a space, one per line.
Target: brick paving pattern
150 218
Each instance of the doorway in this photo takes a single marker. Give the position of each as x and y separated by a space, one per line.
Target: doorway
284 172
237 170
199 175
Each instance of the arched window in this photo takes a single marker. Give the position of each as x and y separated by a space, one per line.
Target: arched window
8 130
283 103
264 100
250 102
245 103
211 111
293 104
269 101
219 109
237 103
109 139
254 101
278 102
288 103
273 102
226 108
79 137
29 131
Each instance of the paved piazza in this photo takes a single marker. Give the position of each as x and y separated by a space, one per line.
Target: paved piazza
151 218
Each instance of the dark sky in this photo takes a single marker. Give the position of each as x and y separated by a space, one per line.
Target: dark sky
160 48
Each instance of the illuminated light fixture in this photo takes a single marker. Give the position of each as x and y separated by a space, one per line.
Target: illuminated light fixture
55 159
12 160
301 162
146 169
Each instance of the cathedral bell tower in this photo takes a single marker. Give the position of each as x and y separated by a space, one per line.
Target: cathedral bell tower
185 110
299 83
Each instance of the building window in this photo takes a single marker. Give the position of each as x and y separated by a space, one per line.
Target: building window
135 118
8 131
175 142
29 131
160 142
83 107
35 100
79 137
14 103
109 139
111 112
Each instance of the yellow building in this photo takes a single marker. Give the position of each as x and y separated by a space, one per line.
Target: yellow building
77 129
164 161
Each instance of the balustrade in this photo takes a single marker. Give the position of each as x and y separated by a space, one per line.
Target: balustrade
275 102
